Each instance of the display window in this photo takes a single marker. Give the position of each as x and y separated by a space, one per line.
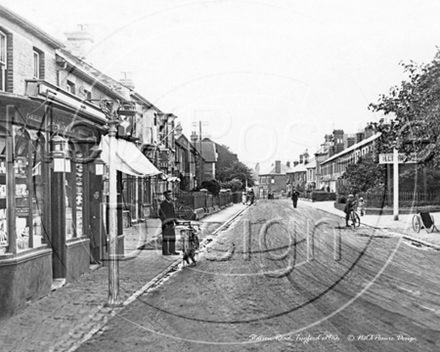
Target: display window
74 191
4 240
26 175
29 188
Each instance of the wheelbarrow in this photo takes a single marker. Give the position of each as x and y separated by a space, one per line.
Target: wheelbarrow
423 220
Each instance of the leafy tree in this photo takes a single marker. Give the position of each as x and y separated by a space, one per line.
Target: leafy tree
365 175
234 185
212 186
412 179
415 107
238 171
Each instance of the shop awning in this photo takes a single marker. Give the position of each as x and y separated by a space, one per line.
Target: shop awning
127 158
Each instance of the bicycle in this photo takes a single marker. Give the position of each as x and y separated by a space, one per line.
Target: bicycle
355 220
184 212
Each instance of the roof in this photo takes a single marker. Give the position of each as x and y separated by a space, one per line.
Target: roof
353 147
271 171
31 28
311 164
298 168
208 151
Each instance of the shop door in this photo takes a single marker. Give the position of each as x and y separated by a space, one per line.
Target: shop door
58 224
97 233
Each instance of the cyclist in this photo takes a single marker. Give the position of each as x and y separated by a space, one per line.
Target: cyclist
350 205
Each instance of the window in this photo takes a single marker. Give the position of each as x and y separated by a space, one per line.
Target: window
28 181
3 58
36 65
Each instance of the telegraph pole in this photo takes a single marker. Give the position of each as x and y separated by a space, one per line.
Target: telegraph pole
201 153
201 150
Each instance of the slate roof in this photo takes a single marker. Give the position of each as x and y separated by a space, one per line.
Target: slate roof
209 153
271 170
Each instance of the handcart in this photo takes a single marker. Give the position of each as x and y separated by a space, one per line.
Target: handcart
423 220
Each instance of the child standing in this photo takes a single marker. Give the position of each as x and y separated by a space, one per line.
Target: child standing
190 245
361 206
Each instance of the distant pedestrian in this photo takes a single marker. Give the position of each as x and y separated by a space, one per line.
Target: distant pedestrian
168 218
295 196
361 206
243 197
251 197
349 207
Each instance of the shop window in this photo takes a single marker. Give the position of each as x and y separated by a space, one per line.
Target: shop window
38 192
27 168
74 193
4 241
29 190
3 61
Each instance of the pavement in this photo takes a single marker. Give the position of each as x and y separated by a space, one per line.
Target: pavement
401 227
71 314
64 319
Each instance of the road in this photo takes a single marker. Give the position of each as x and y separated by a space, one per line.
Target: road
284 279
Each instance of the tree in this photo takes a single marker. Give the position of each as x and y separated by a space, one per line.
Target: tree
212 186
416 108
234 185
365 175
237 170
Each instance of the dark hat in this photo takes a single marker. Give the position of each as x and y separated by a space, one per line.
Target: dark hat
166 192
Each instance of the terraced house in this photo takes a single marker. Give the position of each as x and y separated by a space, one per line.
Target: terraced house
54 114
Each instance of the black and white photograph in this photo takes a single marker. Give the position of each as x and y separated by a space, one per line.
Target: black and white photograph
219 175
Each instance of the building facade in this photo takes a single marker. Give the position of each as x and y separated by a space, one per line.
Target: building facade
54 112
273 180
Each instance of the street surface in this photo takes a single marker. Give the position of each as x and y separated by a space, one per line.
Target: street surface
284 279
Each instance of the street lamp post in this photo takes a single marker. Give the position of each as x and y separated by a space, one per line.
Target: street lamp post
113 267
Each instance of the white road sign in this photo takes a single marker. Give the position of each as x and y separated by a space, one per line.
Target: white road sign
387 158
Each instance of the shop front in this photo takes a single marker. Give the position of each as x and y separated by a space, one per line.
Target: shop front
50 196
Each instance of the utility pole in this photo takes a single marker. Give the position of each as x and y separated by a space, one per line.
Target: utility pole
201 153
201 150
396 183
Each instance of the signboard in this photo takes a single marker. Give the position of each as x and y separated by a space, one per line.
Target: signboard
388 158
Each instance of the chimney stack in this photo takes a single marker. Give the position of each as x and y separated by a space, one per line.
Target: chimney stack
79 42
179 130
194 137
127 80
350 141
278 166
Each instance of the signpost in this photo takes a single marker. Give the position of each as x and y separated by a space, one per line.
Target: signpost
396 158
388 158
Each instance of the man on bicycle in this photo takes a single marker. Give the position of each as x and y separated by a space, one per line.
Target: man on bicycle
350 205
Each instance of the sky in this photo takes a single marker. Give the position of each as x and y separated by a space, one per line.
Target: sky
266 78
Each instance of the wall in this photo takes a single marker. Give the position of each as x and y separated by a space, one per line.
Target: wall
78 259
24 279
23 44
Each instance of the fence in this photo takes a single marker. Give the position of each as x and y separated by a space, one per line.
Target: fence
197 200
406 199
